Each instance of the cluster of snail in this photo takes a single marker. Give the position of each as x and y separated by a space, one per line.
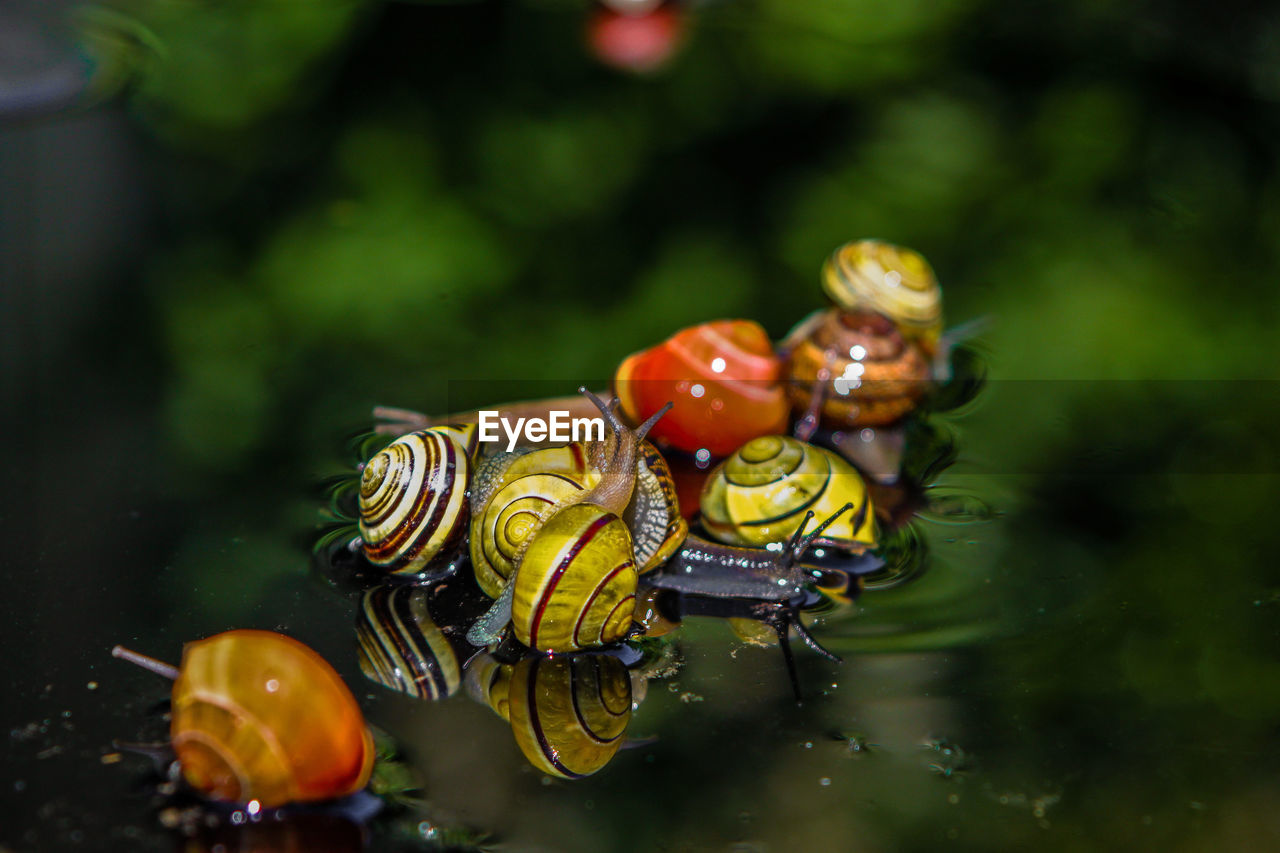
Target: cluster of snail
733 479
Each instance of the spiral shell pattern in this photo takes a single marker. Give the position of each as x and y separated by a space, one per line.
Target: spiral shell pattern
870 275
259 716
874 375
761 493
569 715
413 506
510 520
401 648
577 582
723 377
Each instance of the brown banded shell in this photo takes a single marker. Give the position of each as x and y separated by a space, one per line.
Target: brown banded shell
569 715
760 495
413 507
866 372
871 275
401 647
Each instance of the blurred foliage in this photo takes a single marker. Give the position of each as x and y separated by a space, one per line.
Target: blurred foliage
367 203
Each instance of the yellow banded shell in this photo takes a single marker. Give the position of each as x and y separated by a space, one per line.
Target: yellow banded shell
569 715
892 280
761 493
577 582
413 507
401 647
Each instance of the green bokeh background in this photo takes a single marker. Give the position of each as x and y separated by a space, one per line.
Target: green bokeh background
339 203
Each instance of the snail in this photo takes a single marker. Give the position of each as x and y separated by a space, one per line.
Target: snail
403 648
759 494
871 275
567 566
260 716
569 714
724 379
413 499
854 369
771 586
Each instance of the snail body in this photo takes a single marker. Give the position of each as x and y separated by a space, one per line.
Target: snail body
759 495
412 500
260 716
724 379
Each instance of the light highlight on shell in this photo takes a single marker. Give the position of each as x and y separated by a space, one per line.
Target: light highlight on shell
723 377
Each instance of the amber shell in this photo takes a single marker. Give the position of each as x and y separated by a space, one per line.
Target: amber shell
260 716
867 373
724 379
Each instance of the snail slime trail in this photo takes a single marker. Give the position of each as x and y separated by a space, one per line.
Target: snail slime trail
558 428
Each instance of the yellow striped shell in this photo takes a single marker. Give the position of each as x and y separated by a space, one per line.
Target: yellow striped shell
501 526
761 493
516 494
892 280
577 582
569 715
413 507
400 646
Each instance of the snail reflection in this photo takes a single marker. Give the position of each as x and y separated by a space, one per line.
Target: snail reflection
736 478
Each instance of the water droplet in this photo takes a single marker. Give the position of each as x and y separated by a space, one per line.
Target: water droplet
697 390
273 685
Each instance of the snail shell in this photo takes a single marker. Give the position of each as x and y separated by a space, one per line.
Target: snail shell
515 496
413 507
504 524
873 376
870 275
577 582
725 380
260 716
569 715
761 493
402 648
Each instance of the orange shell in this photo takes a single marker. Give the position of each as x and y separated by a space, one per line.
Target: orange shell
260 716
716 409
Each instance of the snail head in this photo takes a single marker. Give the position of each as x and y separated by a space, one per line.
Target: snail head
800 541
